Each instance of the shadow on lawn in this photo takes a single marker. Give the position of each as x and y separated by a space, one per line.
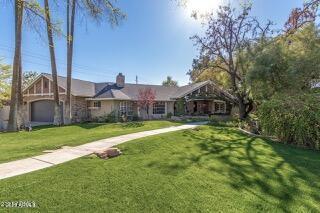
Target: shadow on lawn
261 167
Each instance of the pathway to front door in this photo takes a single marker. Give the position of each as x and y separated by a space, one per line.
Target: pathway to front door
59 156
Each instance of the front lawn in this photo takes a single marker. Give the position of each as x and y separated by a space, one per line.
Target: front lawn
210 169
25 144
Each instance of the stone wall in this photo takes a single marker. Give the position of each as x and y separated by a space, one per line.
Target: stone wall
79 109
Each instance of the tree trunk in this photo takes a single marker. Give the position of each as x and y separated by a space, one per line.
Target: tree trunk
242 109
70 38
245 107
14 106
57 112
20 121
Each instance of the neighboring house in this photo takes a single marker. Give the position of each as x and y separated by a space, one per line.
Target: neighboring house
93 100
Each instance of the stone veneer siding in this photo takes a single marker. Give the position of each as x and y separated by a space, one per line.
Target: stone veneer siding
79 109
78 106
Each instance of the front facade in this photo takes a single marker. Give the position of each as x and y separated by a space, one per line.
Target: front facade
91 101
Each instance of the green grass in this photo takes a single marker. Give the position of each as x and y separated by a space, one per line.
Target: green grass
25 144
210 169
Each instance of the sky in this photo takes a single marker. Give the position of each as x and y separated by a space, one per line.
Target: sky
152 42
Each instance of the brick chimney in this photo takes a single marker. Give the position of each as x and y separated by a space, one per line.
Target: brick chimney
120 80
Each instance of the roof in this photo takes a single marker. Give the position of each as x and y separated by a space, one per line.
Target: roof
131 91
110 90
78 87
182 91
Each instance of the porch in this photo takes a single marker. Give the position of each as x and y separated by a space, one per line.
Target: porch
203 108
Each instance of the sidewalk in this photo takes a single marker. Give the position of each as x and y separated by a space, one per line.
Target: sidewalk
27 165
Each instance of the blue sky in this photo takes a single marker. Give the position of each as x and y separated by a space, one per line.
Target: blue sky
152 42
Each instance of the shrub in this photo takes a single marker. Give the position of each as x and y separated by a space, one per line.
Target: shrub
135 117
223 123
108 118
169 115
292 119
179 107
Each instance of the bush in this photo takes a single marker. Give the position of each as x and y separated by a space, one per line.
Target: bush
135 117
292 119
223 123
108 118
169 115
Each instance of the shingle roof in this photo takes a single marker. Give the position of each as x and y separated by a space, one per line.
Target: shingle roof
131 91
182 91
78 87
110 90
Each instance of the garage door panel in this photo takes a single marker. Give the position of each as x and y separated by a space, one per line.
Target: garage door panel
42 111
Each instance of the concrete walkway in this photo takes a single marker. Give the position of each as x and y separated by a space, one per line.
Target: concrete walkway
59 156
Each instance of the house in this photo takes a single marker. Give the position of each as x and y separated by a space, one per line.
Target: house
92 100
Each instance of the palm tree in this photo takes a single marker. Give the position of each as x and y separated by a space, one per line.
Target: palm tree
57 112
13 124
96 10
70 39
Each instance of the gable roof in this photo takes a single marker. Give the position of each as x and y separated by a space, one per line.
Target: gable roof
78 87
184 90
109 90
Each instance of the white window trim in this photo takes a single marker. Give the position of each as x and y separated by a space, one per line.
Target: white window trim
158 102
224 108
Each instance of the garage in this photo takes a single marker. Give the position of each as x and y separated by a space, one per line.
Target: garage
42 111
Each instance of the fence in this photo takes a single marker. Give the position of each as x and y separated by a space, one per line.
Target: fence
4 117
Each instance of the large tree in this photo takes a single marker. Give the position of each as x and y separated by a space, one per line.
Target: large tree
28 78
169 82
57 112
96 10
287 65
302 16
203 69
13 123
28 10
228 37
5 78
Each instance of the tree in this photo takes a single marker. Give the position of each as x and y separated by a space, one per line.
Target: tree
13 124
5 78
28 78
302 16
169 82
228 36
31 9
97 10
203 69
146 98
284 67
57 112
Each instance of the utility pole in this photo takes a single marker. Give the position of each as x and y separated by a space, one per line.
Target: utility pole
136 79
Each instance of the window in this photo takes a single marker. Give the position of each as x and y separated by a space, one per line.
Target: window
125 108
159 108
97 104
45 85
219 107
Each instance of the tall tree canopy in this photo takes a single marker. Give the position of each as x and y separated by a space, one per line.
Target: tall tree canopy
228 36
203 69
169 82
5 83
98 11
301 16
286 65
